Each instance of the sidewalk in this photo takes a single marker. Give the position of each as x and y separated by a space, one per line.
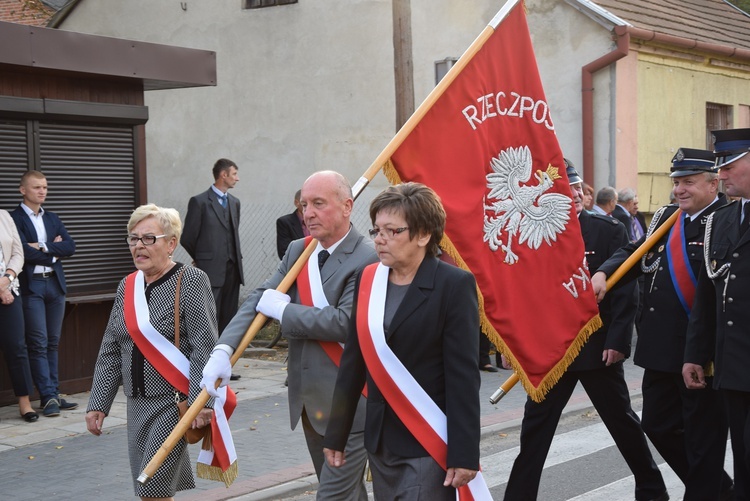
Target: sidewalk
58 457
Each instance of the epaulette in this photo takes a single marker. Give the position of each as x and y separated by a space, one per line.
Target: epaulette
724 207
608 219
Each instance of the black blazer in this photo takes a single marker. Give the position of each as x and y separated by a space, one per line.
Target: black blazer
719 326
288 229
435 334
34 257
602 236
663 321
625 218
207 235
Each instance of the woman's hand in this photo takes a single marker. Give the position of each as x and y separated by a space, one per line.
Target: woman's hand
7 297
203 419
94 422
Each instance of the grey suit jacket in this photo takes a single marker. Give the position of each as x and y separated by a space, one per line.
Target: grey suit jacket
206 235
312 375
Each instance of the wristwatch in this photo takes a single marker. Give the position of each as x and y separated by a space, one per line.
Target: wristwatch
10 277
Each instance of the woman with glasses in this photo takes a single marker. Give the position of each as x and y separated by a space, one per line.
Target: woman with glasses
414 340
12 339
139 349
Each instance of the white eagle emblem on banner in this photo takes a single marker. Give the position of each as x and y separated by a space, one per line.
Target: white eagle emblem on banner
520 210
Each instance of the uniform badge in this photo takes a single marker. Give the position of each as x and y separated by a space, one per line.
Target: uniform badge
661 249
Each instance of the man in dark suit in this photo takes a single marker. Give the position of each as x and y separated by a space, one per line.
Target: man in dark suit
627 199
621 214
290 227
599 369
719 327
45 242
211 237
606 201
688 428
311 329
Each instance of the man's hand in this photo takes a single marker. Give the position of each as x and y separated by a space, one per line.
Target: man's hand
599 283
94 422
272 304
610 357
458 477
217 367
693 376
335 459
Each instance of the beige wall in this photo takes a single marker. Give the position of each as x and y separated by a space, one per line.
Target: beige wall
671 108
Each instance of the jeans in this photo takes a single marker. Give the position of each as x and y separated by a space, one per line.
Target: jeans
43 310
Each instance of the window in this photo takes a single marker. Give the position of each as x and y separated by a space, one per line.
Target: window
259 4
718 117
442 67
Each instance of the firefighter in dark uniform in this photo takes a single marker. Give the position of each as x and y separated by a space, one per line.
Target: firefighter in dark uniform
719 327
688 428
599 368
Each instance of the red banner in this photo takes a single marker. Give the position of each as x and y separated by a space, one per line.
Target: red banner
487 146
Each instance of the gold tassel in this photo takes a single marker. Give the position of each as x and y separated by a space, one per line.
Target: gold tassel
214 473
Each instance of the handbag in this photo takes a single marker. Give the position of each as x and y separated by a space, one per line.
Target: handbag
192 435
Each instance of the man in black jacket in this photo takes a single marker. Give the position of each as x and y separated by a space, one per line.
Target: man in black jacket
599 369
688 428
719 327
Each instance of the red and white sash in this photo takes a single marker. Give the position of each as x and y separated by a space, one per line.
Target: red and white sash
175 368
414 407
310 288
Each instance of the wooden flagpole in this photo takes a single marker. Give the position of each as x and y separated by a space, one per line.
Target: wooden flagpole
260 319
611 281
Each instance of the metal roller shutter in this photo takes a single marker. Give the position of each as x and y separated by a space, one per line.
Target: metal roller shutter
14 161
91 175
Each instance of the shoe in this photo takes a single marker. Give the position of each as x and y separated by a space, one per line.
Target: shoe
234 377
489 368
51 408
67 406
30 417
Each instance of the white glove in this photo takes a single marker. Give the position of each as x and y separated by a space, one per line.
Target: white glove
272 304
217 367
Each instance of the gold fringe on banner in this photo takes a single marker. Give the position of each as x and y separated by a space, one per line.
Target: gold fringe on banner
214 473
553 376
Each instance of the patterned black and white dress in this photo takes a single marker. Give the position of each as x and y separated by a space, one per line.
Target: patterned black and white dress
151 411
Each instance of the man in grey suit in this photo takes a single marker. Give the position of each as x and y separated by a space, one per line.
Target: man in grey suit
211 237
313 330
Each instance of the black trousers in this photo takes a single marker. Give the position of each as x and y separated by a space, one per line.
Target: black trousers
227 296
689 429
13 346
738 412
608 392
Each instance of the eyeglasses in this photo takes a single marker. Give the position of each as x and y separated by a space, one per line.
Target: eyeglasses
132 240
386 233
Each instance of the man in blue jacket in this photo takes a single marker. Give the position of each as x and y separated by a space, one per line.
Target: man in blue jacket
45 242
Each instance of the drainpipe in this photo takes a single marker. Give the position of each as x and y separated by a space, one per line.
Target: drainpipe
623 34
587 97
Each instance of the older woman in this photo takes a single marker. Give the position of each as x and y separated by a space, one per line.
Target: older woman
414 340
141 328
12 339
